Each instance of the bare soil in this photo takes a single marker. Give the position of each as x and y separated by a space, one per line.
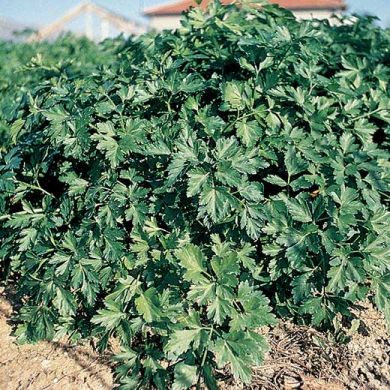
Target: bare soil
49 365
300 358
303 358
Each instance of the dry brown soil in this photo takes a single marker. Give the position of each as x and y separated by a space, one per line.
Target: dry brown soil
49 365
303 358
300 358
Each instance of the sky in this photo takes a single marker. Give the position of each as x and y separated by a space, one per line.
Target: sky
41 12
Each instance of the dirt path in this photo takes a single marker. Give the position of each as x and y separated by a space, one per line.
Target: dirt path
300 358
48 366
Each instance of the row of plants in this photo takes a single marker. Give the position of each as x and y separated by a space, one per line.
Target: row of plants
26 66
196 185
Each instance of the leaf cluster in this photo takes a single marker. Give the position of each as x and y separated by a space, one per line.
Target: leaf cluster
202 183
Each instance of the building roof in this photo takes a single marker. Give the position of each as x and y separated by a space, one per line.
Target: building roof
177 7
84 8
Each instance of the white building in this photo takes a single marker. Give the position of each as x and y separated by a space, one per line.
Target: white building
98 23
167 16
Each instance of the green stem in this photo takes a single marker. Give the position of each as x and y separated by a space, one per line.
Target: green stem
384 194
34 187
369 114
35 278
169 104
204 357
230 125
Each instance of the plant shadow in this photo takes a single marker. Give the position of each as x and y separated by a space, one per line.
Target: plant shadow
81 358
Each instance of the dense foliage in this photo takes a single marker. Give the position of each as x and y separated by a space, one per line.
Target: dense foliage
27 66
204 183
